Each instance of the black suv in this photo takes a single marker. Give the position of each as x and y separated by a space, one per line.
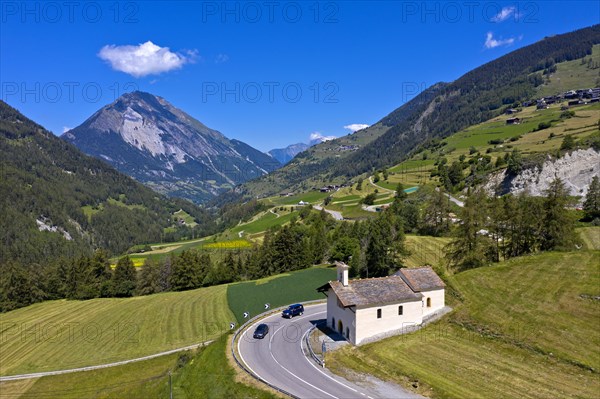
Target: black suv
293 310
261 331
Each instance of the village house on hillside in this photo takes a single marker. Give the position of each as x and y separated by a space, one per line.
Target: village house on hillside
365 310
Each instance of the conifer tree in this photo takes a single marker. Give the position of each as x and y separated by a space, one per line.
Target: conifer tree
124 278
558 230
591 205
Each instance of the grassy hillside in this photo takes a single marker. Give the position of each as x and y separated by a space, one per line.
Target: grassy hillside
68 334
424 250
590 237
217 247
238 238
277 290
575 74
65 334
136 380
523 330
200 374
210 375
524 137
313 197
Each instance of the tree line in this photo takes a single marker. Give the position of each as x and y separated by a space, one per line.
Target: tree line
487 229
492 229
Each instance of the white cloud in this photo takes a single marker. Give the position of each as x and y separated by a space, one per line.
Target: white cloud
504 14
490 42
318 137
356 126
66 129
144 59
221 58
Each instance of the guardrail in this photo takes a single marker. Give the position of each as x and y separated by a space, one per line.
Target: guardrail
310 349
243 327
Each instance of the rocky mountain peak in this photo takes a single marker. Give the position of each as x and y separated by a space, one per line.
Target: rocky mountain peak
148 138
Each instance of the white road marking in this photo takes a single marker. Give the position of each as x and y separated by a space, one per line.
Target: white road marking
292 374
301 348
325 374
246 363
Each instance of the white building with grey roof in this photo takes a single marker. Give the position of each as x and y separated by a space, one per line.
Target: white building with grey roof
364 310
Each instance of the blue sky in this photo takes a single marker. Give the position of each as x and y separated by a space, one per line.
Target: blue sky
267 73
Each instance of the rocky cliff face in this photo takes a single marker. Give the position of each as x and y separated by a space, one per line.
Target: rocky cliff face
149 139
576 170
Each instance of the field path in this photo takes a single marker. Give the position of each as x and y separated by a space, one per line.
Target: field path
451 198
79 334
100 366
380 187
274 213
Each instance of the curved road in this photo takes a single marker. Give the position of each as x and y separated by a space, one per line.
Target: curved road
280 360
336 215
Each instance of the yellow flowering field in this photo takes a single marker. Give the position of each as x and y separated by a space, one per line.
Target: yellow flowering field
234 244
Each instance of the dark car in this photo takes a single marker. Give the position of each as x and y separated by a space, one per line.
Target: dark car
261 331
293 310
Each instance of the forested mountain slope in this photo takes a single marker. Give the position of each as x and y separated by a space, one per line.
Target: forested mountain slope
56 201
473 98
437 112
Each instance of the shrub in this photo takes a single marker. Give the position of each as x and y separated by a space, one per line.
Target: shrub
567 114
369 199
544 125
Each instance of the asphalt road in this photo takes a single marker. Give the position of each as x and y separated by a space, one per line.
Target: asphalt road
336 215
280 360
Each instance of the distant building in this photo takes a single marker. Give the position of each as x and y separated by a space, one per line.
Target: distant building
511 111
366 310
571 94
302 203
513 121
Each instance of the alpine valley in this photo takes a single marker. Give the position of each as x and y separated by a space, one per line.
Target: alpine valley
142 252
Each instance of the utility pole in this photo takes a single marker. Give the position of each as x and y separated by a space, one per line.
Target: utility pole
170 386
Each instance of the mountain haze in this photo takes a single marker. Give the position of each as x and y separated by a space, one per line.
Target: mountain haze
285 155
163 147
